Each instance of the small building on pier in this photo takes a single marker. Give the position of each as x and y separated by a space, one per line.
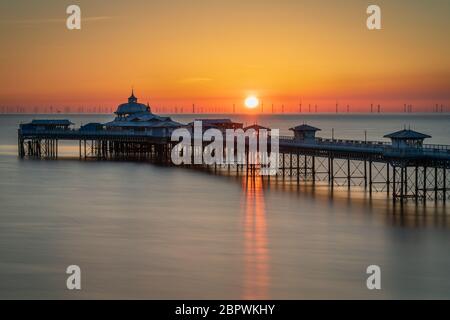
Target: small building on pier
47 125
407 139
220 124
138 117
93 126
305 133
257 128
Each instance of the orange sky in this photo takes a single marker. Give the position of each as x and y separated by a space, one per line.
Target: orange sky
215 53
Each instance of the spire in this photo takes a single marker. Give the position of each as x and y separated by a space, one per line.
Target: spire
132 98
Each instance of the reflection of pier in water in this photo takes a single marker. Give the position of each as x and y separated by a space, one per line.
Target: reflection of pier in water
409 214
256 255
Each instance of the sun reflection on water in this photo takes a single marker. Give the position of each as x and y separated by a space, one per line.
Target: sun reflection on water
256 257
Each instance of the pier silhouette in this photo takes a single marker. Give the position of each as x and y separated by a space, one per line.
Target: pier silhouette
404 169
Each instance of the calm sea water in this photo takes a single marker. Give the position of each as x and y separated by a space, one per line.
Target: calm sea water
143 231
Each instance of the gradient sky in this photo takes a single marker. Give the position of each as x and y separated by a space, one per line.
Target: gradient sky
218 52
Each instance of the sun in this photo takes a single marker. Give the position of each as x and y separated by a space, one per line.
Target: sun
251 102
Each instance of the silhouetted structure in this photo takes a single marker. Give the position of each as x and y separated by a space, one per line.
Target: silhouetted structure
404 168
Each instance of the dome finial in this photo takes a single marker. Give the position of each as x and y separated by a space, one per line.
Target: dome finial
132 98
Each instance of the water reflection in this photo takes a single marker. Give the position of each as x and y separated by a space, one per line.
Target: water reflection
256 255
408 214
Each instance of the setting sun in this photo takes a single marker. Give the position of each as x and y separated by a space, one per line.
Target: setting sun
251 102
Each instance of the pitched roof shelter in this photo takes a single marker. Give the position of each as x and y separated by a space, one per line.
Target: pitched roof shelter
305 127
305 133
407 138
407 134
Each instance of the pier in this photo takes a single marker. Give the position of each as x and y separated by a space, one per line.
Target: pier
405 168
419 173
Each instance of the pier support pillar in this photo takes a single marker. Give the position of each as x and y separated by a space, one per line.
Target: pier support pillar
425 184
444 187
290 164
349 178
313 169
401 183
436 184
416 183
365 174
305 171
388 178
394 183
406 182
331 171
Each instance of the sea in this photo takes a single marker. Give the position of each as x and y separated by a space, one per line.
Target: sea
143 231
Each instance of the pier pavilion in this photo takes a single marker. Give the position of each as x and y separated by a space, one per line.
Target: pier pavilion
405 139
305 133
257 129
220 124
45 125
137 117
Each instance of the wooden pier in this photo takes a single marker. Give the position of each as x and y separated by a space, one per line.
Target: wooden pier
419 173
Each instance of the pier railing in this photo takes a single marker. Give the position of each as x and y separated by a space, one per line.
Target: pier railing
436 147
381 146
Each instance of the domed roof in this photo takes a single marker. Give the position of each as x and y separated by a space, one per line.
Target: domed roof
132 106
